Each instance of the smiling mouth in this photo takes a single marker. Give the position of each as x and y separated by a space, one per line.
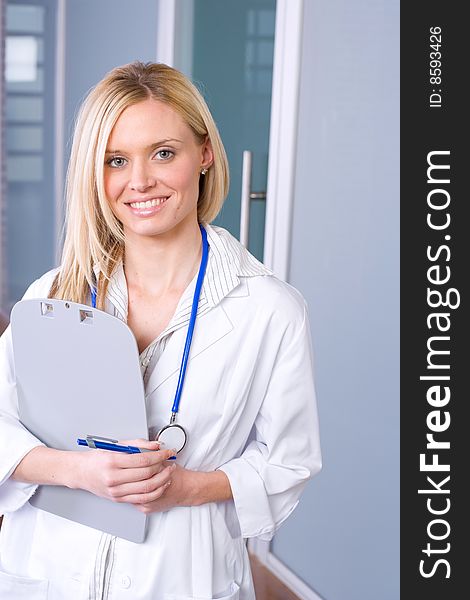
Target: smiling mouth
148 203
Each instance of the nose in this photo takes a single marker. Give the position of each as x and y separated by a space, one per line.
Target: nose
141 177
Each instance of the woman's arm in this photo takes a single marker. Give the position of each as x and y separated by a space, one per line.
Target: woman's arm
46 466
268 478
210 487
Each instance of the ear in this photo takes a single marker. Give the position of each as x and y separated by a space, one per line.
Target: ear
207 154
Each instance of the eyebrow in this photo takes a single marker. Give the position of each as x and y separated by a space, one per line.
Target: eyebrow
150 146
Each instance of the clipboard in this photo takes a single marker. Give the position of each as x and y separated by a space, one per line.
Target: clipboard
78 373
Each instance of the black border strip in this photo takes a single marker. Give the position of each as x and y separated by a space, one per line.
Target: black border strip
433 266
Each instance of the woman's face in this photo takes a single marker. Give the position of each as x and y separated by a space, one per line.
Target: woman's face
152 168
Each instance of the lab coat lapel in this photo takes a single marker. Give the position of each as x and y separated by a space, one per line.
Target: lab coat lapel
210 327
229 268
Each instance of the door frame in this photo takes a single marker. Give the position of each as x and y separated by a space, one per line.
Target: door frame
176 16
283 135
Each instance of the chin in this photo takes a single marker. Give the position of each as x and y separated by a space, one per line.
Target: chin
149 230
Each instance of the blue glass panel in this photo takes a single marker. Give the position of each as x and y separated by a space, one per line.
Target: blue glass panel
22 18
23 168
24 109
236 71
24 139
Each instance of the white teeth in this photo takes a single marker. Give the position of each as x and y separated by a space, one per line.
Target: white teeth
148 203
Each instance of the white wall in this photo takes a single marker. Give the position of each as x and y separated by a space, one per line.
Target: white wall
343 539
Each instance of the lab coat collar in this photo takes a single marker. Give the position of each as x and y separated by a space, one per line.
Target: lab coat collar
229 263
117 297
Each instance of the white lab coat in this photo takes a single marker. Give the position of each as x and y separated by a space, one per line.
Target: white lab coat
249 407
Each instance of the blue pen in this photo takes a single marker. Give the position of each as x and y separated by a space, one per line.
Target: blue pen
102 443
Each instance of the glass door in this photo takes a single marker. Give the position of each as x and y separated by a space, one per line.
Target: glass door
227 49
27 245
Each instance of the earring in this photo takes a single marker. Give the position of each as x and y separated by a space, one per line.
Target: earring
204 171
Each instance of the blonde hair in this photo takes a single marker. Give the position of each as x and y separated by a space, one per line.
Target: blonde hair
94 236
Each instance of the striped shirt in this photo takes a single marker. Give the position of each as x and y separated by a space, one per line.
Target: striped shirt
228 262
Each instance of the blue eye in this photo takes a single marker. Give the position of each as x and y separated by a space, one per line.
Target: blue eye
165 154
116 161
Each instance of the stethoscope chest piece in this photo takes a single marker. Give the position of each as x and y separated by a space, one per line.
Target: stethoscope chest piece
172 436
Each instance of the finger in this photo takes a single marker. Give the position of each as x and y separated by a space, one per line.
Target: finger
140 459
141 492
146 503
121 476
162 504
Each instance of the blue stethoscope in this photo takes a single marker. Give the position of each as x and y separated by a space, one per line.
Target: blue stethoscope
173 435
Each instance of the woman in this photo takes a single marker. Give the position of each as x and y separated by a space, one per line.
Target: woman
147 175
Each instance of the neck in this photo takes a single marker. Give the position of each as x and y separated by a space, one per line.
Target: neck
166 262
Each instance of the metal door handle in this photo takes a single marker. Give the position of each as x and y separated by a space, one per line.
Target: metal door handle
246 197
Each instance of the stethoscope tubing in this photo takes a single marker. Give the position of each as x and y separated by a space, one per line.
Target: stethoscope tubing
192 321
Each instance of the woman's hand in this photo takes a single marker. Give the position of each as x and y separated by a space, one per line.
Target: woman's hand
191 488
134 478
181 492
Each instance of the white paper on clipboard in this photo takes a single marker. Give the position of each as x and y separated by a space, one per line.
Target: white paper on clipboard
78 373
